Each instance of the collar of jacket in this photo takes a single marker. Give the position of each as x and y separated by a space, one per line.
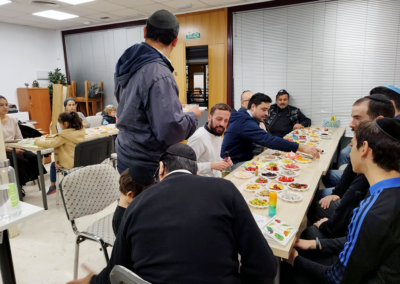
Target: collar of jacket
164 58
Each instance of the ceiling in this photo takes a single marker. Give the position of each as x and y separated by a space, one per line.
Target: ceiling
20 11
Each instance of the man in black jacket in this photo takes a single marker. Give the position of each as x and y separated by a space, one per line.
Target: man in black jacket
283 118
371 251
190 229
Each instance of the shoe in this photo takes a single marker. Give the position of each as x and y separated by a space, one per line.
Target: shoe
23 192
52 189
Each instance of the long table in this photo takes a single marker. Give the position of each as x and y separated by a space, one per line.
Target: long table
293 213
93 133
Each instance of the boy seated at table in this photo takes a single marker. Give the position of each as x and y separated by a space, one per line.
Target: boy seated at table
64 144
132 182
371 251
109 115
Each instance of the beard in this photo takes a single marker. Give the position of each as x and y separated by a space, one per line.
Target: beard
217 130
282 106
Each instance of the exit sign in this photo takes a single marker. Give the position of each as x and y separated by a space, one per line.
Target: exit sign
193 36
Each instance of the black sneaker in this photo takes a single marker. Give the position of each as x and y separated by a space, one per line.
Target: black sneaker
52 190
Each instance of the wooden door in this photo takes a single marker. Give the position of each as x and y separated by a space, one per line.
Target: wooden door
178 61
216 74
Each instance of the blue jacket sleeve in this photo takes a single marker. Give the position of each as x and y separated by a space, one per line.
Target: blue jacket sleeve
168 122
251 131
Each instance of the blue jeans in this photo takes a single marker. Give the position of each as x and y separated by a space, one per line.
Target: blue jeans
344 156
324 192
331 178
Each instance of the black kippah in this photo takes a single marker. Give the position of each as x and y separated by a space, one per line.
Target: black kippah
141 175
389 126
163 19
378 97
182 150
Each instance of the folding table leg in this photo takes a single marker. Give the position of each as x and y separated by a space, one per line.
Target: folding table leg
15 162
6 263
41 179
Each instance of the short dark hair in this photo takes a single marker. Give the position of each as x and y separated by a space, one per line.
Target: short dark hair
1 97
258 99
73 119
164 36
173 163
390 94
377 108
385 150
126 184
220 106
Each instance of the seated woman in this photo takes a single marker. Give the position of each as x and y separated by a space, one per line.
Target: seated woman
70 105
26 161
64 144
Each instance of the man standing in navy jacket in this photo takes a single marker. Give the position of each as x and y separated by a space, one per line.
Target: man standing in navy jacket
244 129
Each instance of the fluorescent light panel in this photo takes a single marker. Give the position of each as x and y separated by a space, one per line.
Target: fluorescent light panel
55 15
2 2
75 2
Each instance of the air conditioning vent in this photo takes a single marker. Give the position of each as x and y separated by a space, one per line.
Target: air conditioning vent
43 3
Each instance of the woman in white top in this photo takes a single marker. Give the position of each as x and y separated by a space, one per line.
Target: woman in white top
70 106
27 161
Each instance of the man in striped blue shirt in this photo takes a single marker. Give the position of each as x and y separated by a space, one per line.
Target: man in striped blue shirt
371 251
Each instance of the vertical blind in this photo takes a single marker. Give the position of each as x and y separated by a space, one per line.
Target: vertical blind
92 56
325 54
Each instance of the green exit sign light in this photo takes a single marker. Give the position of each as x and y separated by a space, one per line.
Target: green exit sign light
193 36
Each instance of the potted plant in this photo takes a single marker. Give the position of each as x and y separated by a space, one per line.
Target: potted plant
54 78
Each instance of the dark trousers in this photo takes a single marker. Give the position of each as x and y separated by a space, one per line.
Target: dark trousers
316 212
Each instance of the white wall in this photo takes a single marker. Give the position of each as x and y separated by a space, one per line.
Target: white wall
23 51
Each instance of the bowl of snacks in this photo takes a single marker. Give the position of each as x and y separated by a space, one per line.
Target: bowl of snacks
298 186
302 137
269 175
258 202
296 132
303 160
252 164
285 179
310 144
243 174
278 187
292 155
314 140
292 167
276 154
273 167
251 186
290 196
268 158
288 173
287 161
261 180
250 169
264 193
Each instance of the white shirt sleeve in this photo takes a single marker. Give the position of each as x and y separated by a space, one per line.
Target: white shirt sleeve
197 144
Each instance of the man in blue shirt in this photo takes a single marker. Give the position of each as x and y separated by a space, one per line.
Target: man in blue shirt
371 251
244 129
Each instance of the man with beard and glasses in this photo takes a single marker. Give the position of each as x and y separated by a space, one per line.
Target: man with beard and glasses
207 142
283 118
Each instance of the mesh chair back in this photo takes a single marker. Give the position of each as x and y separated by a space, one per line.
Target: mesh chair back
89 190
92 152
58 127
95 121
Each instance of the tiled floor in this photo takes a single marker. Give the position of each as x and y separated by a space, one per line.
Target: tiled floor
44 250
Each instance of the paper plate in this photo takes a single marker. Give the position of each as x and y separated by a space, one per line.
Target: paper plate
243 186
298 189
255 206
286 196
243 174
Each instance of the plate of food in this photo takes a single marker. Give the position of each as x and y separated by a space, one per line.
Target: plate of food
288 173
250 186
273 167
314 140
290 196
296 132
292 167
285 179
326 136
258 202
261 180
302 137
303 160
270 175
291 155
264 193
250 169
276 154
286 161
269 158
243 174
298 186
252 164
276 187
310 144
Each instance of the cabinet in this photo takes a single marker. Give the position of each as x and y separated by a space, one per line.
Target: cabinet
36 101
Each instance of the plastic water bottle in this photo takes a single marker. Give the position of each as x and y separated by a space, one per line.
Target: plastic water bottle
10 206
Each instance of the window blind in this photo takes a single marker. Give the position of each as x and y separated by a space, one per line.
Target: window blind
325 54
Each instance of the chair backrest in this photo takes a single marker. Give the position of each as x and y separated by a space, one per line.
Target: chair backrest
89 190
122 275
95 121
99 113
73 89
92 152
58 126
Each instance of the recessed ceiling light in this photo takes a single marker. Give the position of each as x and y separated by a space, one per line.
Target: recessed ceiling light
75 2
2 2
185 6
55 15
104 18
